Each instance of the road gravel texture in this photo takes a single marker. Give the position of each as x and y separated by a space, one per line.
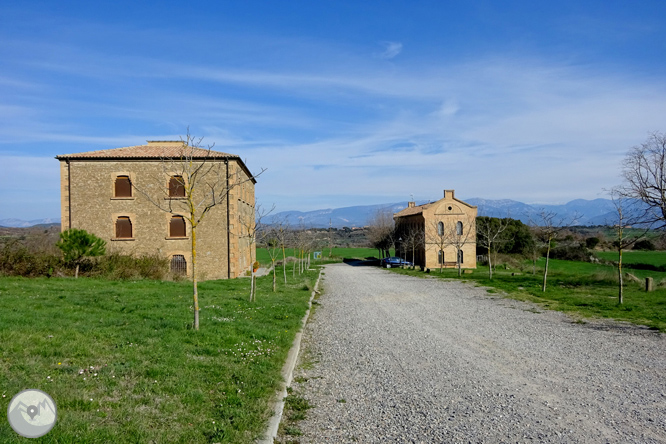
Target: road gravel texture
390 358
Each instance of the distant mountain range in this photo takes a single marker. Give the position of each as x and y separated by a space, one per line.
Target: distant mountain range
590 212
18 223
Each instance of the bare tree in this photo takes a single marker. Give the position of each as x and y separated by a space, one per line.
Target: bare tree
271 241
330 238
202 182
381 232
302 240
534 250
644 171
626 215
312 242
489 231
413 239
281 232
546 227
250 226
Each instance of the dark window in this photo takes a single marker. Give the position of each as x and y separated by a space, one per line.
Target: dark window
460 257
177 227
440 257
178 264
440 228
459 228
123 228
176 186
123 187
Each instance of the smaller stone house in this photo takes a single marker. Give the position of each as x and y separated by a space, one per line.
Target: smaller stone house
437 234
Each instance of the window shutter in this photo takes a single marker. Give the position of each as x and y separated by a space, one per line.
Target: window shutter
177 227
123 228
123 187
176 186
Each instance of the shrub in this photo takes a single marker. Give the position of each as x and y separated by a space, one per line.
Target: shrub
17 260
592 242
120 266
77 245
644 244
571 253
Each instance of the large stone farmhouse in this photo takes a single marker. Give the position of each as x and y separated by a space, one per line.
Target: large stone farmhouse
441 233
120 196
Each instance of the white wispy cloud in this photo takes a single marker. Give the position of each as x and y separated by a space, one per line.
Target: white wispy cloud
391 49
338 126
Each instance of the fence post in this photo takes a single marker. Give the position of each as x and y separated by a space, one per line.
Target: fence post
649 283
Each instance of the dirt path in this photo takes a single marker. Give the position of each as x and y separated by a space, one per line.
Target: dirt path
390 358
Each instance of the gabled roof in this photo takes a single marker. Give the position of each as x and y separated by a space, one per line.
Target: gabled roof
449 196
153 150
412 211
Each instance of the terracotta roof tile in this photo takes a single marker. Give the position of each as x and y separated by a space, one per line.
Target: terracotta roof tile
156 150
411 211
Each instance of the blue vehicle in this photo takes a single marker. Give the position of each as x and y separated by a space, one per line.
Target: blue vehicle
395 261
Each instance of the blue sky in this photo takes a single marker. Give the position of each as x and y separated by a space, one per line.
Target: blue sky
345 102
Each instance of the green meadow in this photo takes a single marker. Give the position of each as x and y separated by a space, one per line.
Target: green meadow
123 364
656 258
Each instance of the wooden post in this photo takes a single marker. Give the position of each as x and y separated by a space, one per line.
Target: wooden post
649 284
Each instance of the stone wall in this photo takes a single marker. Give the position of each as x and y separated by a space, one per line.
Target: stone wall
87 188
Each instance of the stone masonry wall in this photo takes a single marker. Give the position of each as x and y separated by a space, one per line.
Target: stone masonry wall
89 189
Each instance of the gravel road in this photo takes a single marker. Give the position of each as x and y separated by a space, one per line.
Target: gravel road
391 358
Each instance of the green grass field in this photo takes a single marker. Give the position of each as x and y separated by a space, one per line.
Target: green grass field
123 365
656 258
580 288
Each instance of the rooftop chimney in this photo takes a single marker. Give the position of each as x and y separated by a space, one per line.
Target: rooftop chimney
449 194
411 204
166 142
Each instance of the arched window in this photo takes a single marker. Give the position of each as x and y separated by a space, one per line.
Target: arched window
176 186
178 264
440 228
459 228
177 227
440 257
460 257
123 227
122 187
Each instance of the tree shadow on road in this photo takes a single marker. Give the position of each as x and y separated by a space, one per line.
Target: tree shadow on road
367 262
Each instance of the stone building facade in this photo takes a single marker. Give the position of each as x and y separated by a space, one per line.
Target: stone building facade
445 229
135 199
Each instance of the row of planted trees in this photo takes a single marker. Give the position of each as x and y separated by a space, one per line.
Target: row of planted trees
279 237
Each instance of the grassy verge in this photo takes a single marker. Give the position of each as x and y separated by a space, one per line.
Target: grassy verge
295 405
588 290
123 365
